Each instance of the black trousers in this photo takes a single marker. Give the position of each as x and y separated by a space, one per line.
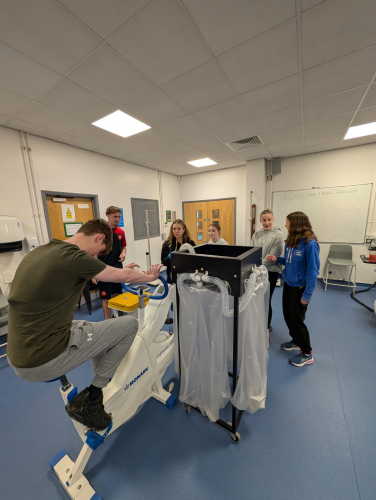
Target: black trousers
294 313
273 281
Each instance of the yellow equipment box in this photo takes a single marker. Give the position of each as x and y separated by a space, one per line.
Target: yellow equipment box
127 302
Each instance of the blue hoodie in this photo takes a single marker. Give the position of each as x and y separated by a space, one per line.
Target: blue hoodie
302 266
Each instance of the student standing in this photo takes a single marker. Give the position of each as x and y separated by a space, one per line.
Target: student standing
114 259
270 238
214 232
302 267
179 234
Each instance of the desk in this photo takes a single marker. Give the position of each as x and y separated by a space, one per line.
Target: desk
352 295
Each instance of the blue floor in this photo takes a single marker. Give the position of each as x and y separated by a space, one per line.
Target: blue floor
316 439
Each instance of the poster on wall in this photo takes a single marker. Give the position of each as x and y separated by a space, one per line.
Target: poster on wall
68 212
71 228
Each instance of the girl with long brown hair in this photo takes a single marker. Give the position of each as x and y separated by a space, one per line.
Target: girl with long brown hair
179 234
302 267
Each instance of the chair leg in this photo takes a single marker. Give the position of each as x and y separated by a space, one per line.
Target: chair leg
351 270
327 274
354 279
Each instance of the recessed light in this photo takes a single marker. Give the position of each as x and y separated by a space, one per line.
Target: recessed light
120 123
361 131
202 163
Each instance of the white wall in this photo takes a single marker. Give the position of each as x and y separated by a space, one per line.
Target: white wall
356 165
255 193
226 183
64 168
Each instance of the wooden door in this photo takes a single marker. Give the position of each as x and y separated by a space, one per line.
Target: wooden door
199 215
83 211
195 218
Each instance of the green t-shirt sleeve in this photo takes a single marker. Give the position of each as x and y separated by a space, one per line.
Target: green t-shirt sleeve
85 266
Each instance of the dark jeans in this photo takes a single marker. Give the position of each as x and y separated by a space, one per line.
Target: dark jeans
273 281
294 313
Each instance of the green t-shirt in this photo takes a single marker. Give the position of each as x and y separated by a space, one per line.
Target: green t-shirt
43 297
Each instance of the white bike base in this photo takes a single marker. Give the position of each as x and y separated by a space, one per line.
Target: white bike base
80 489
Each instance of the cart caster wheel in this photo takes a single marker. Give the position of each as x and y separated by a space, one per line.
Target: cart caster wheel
235 437
188 409
170 387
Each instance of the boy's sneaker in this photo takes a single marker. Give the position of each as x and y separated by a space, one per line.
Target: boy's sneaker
91 414
302 359
290 346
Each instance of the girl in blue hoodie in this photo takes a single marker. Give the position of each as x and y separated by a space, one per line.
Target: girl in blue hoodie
302 267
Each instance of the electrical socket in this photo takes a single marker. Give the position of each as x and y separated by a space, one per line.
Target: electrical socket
333 273
163 236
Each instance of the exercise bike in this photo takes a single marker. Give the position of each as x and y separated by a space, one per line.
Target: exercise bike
137 379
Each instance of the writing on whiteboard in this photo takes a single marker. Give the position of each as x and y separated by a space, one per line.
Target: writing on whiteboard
316 194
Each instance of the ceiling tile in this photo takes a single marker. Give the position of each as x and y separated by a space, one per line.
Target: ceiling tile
33 129
273 97
109 76
150 164
188 156
4 119
318 148
42 115
282 135
229 157
200 88
171 162
212 151
197 141
173 148
221 114
132 159
236 131
289 153
359 141
104 150
239 19
336 135
70 98
342 74
44 31
150 155
94 134
11 103
328 124
344 26
278 119
182 127
126 146
334 105
178 48
245 65
75 141
151 138
253 153
154 108
286 146
367 115
104 17
370 99
14 67
308 4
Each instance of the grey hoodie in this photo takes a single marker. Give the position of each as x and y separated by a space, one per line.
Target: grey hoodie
272 243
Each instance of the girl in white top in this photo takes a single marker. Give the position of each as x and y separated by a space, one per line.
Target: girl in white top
214 231
271 240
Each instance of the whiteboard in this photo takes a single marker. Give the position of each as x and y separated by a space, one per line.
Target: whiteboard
337 214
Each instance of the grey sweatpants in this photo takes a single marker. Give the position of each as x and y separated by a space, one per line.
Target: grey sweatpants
105 343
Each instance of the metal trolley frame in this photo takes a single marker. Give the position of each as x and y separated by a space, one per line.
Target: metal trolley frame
230 263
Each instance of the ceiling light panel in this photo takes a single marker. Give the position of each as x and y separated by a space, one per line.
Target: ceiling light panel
204 162
361 131
120 123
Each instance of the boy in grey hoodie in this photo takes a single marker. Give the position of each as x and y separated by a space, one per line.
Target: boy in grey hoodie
271 240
